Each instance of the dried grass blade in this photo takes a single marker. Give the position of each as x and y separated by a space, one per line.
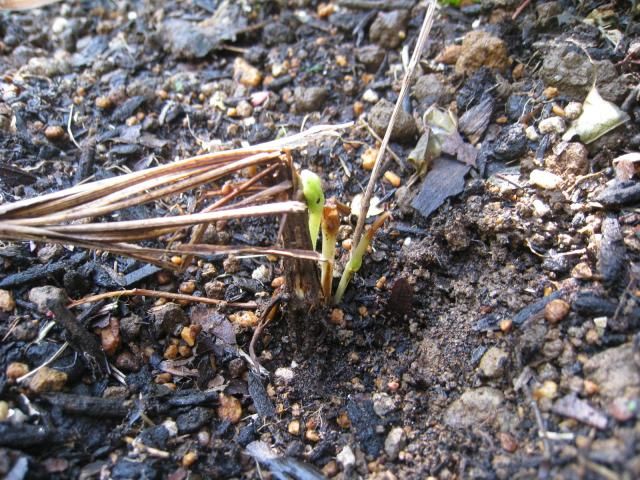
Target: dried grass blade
184 220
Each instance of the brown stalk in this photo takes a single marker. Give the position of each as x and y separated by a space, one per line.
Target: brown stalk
155 293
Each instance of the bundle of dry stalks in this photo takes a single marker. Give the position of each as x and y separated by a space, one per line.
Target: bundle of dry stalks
84 215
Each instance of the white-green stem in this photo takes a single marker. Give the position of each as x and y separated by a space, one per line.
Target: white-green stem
355 260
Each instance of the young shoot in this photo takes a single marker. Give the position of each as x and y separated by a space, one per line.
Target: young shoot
330 226
355 260
314 196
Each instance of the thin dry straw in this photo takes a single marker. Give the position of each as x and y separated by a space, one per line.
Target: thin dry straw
413 63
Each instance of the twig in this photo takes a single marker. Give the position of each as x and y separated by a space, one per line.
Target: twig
49 361
69 131
520 9
155 293
366 199
265 319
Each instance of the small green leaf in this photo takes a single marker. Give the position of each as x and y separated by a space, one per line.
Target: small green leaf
313 194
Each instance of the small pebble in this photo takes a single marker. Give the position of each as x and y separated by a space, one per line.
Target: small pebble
294 427
573 110
244 109
556 310
104 103
548 390
582 271
203 438
7 303
545 179
47 380
343 420
16 370
277 282
337 316
550 92
245 73
110 336
189 459
532 133
330 469
558 110
368 158
540 208
188 287
358 108
163 378
128 362
395 441
54 132
392 178
370 96
325 9
312 435
341 61
591 387
508 442
231 264
506 325
171 352
552 125
493 362
229 408
189 334
244 319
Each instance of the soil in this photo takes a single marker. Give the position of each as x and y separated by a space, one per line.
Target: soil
492 331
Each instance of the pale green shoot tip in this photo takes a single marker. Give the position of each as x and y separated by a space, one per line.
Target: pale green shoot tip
314 196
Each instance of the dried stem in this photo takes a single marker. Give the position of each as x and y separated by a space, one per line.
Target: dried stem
366 200
155 293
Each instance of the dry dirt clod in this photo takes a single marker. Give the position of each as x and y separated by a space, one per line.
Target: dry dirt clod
405 128
166 318
388 29
480 49
494 362
309 99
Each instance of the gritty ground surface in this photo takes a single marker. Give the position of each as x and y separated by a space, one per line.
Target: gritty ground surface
489 335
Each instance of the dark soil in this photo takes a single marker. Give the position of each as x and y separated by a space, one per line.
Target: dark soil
492 331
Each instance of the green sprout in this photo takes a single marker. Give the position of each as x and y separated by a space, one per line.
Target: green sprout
313 194
355 261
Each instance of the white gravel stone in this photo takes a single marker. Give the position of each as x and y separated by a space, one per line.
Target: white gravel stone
552 125
545 179
370 96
